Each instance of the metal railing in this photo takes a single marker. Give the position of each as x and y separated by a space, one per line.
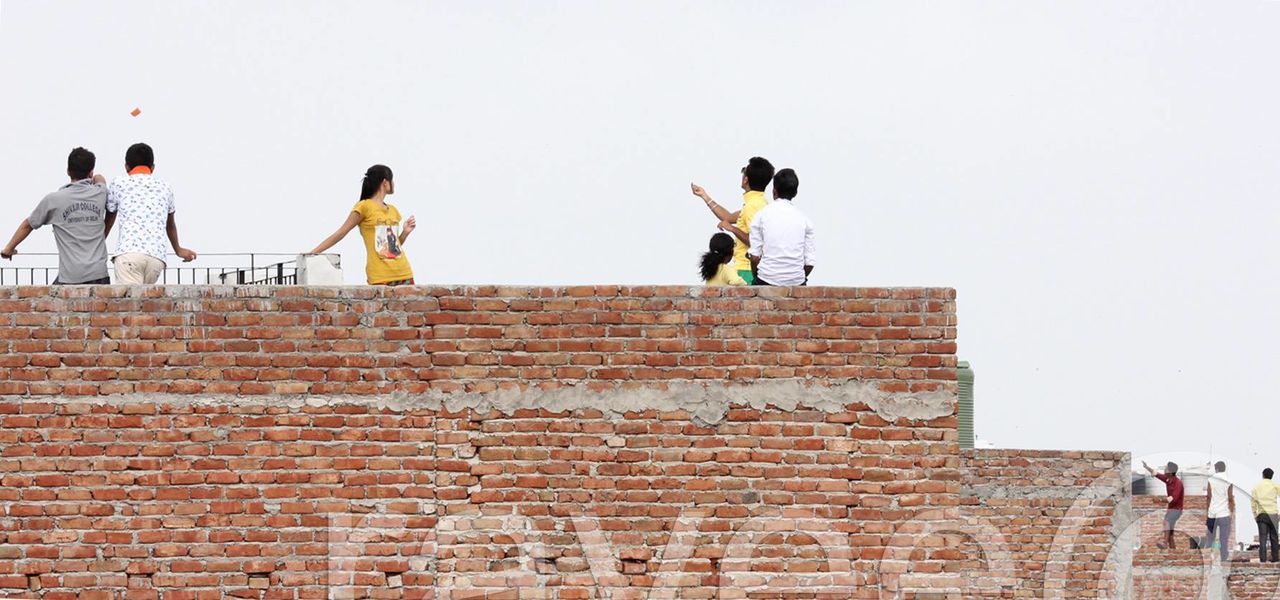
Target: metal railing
257 268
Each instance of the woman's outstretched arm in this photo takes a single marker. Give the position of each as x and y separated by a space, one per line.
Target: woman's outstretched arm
353 219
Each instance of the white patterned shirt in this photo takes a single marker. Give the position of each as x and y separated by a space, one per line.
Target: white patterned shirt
142 205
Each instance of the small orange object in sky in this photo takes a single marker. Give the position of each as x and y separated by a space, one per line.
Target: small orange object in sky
135 112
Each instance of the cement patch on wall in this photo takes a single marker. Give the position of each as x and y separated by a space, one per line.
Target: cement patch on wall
707 404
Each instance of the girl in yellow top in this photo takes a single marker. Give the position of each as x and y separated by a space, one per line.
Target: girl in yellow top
715 262
380 227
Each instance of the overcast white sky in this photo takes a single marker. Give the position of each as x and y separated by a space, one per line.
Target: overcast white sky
1097 178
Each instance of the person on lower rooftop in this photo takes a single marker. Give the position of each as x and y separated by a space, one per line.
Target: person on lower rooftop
1267 516
1174 491
1222 505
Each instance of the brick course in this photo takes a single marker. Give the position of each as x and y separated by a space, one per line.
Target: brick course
1254 582
77 341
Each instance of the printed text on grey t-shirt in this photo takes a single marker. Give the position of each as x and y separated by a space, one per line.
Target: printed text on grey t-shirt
76 212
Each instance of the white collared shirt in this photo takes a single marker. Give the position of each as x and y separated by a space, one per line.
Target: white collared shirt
783 239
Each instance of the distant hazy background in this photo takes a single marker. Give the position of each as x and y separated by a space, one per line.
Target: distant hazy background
1097 178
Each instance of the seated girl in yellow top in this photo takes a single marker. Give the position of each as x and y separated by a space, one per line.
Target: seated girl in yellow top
715 263
384 245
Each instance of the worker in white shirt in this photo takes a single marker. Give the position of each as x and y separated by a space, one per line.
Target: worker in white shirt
782 249
1222 505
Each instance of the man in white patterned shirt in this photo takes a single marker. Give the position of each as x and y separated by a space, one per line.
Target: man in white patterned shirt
144 207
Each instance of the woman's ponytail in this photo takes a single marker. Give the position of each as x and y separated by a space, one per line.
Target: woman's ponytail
721 250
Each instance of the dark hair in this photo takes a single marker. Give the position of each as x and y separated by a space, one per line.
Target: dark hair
139 155
721 251
1171 468
80 163
786 184
1267 473
759 173
1220 466
374 178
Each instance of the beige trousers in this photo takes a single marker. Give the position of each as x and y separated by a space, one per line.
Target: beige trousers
138 269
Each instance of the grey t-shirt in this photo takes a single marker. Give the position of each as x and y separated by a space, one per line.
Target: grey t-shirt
76 212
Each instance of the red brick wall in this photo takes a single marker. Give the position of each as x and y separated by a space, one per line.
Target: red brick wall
262 341
1173 583
1045 521
1181 573
442 443
1254 581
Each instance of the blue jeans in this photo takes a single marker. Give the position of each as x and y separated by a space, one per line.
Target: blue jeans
1223 525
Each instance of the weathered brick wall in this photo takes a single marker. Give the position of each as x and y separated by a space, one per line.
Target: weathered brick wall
457 442
1181 573
1045 523
1186 575
1151 511
365 341
1254 581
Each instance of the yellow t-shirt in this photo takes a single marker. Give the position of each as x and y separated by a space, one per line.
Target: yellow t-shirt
380 228
752 202
1264 497
727 275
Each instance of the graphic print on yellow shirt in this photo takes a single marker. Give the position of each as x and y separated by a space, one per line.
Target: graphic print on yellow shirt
386 240
380 228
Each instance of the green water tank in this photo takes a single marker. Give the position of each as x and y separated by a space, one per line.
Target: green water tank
964 375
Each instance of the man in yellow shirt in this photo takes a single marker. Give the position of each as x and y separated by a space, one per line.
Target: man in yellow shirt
1266 514
755 178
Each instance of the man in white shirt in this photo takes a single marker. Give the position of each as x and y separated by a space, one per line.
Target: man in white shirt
1222 504
782 248
145 208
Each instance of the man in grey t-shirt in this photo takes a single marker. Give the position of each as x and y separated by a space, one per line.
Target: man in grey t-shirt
77 211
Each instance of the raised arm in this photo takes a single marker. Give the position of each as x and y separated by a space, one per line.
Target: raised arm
24 230
353 219
719 211
409 226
